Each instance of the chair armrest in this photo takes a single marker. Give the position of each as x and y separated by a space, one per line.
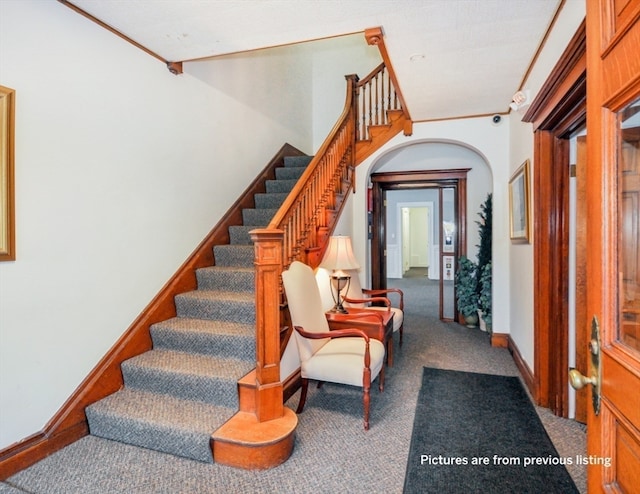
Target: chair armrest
341 333
336 333
383 300
383 291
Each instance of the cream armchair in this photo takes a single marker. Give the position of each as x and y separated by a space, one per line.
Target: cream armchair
345 356
358 297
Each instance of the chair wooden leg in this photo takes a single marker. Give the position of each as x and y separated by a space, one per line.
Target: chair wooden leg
366 398
381 380
367 401
303 395
401 330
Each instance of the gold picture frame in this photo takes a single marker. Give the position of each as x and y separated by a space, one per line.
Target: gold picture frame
7 213
519 219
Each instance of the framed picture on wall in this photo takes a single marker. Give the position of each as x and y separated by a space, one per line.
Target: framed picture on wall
7 229
519 224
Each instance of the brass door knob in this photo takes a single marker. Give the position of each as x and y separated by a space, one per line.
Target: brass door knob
579 380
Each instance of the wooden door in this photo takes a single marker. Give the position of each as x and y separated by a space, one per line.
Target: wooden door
613 234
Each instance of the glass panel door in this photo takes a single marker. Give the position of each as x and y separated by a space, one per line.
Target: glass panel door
629 227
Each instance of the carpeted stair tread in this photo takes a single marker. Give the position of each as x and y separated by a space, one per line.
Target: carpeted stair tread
289 173
301 161
234 255
239 234
226 338
159 422
279 185
217 305
258 216
218 295
226 278
187 375
270 201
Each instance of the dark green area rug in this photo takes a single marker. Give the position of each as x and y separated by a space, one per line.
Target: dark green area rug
479 433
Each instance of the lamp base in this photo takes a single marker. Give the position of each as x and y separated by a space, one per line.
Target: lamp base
339 310
340 280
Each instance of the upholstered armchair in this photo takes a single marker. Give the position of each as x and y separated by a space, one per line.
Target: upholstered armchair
345 356
359 297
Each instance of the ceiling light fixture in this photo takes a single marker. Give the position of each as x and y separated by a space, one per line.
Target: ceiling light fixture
416 57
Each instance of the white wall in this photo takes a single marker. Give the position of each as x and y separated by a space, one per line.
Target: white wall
333 59
121 170
521 149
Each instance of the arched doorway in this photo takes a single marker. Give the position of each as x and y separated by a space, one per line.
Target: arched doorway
433 166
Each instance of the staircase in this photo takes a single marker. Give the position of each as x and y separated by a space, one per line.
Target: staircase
207 376
177 394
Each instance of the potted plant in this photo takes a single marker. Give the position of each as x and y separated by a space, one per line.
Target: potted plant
467 291
484 300
485 228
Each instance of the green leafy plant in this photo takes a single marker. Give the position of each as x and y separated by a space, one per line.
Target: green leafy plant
467 286
484 300
485 228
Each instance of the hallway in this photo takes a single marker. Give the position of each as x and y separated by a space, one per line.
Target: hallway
332 452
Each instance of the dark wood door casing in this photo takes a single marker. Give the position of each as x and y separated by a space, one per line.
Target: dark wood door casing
557 112
456 178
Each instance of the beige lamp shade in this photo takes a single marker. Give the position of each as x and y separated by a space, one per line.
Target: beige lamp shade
339 255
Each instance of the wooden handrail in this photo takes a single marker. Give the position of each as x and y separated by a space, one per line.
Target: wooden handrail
300 229
304 211
375 96
293 232
375 37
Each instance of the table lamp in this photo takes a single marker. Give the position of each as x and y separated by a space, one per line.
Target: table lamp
338 258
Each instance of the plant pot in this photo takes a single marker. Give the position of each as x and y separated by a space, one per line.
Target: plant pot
483 324
471 321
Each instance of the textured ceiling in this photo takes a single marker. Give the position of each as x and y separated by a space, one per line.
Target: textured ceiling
473 54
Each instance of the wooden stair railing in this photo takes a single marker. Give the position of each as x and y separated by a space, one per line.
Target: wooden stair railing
300 231
382 112
376 100
260 435
379 112
301 228
375 37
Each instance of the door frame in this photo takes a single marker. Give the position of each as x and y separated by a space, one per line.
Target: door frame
381 182
558 110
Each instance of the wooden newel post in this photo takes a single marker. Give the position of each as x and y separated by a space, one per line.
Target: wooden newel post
268 264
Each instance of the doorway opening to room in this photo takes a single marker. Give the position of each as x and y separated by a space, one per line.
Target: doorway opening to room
558 117
414 237
419 229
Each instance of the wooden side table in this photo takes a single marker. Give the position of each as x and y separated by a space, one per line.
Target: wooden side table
368 321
